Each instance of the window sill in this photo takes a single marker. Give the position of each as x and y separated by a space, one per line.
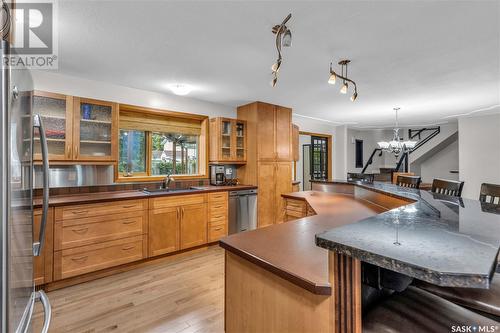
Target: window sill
141 178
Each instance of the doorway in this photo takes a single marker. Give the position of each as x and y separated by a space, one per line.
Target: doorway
314 158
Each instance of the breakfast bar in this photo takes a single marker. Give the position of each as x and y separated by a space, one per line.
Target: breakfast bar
305 275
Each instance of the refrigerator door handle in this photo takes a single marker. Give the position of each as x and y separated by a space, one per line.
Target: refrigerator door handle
47 310
38 123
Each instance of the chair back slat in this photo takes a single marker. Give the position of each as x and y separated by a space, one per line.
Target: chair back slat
409 181
447 187
490 193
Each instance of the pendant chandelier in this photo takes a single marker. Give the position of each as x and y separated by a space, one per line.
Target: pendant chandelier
283 38
345 80
397 145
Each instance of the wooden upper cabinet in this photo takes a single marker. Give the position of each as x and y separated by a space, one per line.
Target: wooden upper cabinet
228 140
295 142
95 130
56 112
77 129
283 130
266 132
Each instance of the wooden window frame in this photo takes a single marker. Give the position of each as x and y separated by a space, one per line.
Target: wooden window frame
202 145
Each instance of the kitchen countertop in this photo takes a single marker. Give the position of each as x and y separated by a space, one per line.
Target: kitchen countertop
81 198
443 240
288 249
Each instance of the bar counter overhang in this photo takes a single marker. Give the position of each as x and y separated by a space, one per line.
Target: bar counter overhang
285 280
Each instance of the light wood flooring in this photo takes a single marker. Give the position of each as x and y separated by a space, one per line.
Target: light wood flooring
178 294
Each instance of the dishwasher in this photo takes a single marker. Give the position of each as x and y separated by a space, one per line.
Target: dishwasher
242 211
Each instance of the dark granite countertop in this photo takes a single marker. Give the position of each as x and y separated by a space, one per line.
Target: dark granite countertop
439 239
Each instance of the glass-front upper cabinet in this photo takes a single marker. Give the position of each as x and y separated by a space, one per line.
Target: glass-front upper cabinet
94 130
55 111
228 140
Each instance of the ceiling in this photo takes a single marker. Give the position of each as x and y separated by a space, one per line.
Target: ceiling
434 59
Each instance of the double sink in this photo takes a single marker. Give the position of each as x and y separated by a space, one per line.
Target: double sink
171 190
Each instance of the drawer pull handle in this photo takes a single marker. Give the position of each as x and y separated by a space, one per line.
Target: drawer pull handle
217 206
80 211
130 247
83 258
128 222
217 229
218 217
128 206
80 231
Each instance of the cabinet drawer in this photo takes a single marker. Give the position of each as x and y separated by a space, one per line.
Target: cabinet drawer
296 205
217 197
217 210
295 214
178 200
310 211
85 259
218 219
99 209
216 232
91 230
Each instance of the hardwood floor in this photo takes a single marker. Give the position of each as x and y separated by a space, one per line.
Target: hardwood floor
178 294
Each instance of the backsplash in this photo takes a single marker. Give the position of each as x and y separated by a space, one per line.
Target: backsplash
74 179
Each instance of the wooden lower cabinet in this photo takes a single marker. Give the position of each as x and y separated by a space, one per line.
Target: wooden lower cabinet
193 225
43 264
177 223
163 231
218 215
295 209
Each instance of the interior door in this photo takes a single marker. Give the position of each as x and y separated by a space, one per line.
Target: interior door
194 224
319 157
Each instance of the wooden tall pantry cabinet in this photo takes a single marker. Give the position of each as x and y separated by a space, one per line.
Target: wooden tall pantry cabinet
269 157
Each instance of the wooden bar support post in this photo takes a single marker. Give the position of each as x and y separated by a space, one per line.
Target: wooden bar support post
345 278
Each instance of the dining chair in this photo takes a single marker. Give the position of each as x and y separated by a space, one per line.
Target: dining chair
447 187
492 191
409 181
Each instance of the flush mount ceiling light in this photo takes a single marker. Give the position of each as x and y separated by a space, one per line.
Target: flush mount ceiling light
180 89
283 38
343 76
397 145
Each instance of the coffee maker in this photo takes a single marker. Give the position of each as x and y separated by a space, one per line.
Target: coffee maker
217 175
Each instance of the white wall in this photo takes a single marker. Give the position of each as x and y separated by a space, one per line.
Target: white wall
71 85
440 164
479 152
370 139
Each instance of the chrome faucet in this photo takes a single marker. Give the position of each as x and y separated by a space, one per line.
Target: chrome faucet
167 180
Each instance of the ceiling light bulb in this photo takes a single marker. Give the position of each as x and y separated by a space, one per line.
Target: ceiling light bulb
332 78
287 38
180 89
343 90
354 96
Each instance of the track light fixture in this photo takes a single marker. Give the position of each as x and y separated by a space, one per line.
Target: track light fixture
343 76
283 38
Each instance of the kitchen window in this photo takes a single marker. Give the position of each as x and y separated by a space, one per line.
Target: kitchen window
155 143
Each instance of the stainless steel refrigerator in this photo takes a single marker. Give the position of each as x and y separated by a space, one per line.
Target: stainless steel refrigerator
18 127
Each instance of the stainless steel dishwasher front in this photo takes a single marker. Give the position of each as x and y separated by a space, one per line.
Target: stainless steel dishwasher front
242 211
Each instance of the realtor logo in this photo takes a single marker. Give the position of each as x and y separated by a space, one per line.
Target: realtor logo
33 32
33 35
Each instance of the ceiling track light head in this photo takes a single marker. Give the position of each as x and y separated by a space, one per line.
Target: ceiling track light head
343 76
283 38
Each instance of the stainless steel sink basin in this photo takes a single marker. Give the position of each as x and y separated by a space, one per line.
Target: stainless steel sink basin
166 190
